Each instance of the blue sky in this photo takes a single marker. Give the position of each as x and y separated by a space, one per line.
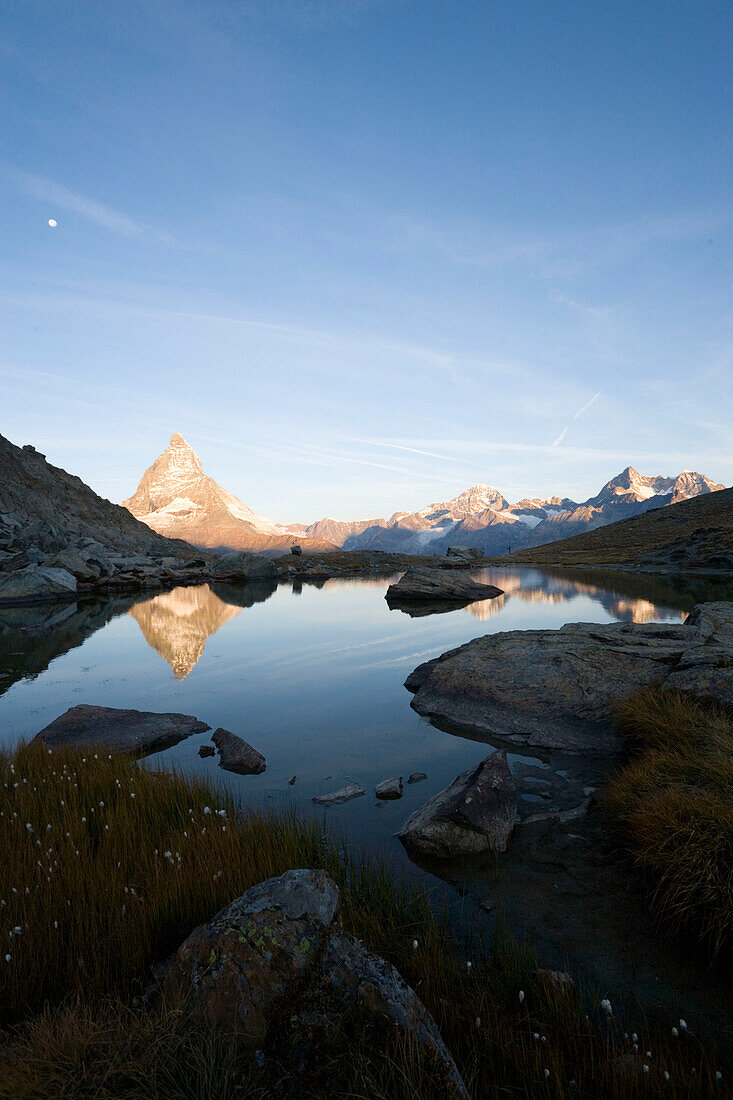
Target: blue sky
365 253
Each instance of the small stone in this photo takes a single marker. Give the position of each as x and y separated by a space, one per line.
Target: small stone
344 794
207 750
417 777
390 788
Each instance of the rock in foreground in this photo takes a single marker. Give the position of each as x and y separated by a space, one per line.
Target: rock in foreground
36 584
474 814
439 584
280 946
137 732
557 689
236 755
390 788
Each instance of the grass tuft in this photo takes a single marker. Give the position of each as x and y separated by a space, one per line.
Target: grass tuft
675 800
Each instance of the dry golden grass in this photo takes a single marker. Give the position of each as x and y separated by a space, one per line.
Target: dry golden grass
675 800
87 943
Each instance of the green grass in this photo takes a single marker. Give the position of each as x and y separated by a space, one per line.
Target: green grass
675 801
74 1023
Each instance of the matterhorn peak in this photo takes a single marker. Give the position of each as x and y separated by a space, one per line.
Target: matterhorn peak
178 442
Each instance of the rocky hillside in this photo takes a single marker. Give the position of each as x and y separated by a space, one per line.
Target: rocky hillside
696 533
177 499
45 508
483 518
57 537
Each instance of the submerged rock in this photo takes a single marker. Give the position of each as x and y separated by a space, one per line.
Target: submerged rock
275 964
439 584
236 755
137 732
345 794
558 689
390 788
476 813
417 777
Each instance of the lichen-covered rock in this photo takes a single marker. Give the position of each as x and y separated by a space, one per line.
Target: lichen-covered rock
276 963
236 755
475 814
246 964
344 794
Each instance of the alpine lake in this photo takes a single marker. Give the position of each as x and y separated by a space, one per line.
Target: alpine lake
313 677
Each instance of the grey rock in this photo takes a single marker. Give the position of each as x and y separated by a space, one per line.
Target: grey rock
476 813
439 584
37 584
241 566
576 813
558 689
464 552
359 977
236 755
296 550
417 777
344 794
77 562
206 750
390 788
136 732
279 945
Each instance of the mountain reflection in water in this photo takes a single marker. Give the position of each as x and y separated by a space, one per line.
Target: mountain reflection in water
177 624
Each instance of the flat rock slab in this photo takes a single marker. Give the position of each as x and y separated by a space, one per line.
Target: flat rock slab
475 814
345 794
557 689
136 732
36 584
439 584
236 755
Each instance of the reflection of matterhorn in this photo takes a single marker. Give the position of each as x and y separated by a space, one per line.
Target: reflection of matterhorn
176 624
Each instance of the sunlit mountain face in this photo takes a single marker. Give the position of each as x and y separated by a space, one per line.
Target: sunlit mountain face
178 623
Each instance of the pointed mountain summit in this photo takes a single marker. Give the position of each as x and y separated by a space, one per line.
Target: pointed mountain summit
177 499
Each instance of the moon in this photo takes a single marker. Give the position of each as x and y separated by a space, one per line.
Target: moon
52 222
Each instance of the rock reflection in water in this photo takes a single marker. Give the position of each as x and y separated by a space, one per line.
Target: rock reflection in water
610 590
177 624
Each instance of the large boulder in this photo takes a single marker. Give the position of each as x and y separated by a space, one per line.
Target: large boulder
451 585
236 755
279 947
475 814
243 567
36 584
136 732
558 689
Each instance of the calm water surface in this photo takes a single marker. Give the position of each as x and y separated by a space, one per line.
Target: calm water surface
313 678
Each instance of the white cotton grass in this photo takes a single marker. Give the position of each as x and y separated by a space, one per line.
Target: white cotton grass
608 1008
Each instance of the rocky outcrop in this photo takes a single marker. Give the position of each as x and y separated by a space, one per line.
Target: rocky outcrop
236 755
451 585
242 567
36 584
135 732
557 689
279 947
475 814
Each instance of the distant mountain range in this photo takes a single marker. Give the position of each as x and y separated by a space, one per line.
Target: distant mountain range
177 499
697 532
482 517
